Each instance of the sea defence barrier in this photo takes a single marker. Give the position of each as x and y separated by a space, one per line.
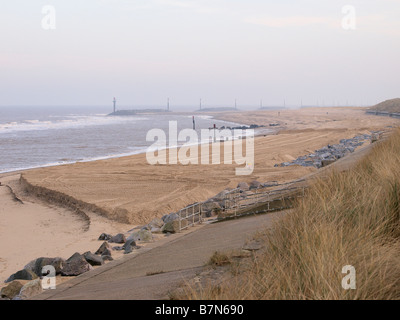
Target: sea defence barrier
384 113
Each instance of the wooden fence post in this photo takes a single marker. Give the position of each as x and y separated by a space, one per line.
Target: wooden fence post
180 220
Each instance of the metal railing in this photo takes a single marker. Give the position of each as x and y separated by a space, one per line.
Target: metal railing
261 201
237 203
190 215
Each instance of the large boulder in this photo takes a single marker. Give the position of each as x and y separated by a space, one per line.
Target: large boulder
156 230
255 184
170 217
23 274
141 235
173 226
104 249
107 258
93 259
119 238
106 252
32 288
210 206
11 290
156 223
243 186
105 237
129 245
76 265
325 155
325 163
37 265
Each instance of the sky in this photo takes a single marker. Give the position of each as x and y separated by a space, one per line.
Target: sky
297 52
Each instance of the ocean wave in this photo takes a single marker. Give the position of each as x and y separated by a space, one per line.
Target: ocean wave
73 121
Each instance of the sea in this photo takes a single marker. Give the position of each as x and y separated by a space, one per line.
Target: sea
32 137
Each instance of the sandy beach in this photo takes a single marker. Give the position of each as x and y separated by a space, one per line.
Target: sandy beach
35 229
126 192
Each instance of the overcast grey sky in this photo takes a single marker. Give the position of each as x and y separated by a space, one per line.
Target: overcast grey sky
143 51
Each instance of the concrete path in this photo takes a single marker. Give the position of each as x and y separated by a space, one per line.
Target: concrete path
181 257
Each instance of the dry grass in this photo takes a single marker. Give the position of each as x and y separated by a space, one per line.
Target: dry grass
349 218
219 259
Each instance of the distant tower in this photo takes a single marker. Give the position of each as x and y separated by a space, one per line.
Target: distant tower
168 104
114 102
200 104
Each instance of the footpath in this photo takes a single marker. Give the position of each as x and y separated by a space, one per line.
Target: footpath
154 273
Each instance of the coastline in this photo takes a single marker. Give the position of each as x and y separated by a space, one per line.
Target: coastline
126 183
78 217
141 150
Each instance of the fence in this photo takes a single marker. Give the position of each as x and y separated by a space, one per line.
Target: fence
237 203
261 201
190 215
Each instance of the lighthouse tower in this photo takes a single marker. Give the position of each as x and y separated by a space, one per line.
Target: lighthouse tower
114 102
